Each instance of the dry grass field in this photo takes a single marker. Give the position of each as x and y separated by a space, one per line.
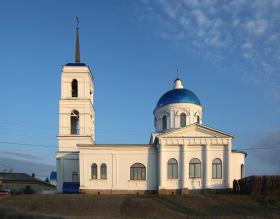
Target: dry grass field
150 206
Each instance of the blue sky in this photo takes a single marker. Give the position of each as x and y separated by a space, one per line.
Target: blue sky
226 53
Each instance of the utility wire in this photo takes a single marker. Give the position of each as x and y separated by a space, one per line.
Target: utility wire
44 125
23 144
54 146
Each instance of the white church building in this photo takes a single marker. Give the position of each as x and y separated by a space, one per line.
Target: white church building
182 153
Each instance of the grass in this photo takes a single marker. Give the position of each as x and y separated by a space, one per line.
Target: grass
150 206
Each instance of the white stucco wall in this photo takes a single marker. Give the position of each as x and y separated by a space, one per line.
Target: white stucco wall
190 152
237 160
118 159
85 82
83 104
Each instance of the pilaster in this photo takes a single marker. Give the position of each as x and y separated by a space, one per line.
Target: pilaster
161 166
228 153
205 166
183 164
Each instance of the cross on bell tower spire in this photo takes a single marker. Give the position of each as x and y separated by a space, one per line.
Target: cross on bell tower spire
77 50
177 73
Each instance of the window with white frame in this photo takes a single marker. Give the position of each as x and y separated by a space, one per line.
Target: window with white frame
183 120
195 168
94 171
103 171
137 172
172 169
217 169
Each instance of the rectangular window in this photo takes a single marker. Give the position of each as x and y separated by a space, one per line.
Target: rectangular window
138 173
174 172
169 171
103 174
214 173
143 174
192 170
219 171
197 170
94 171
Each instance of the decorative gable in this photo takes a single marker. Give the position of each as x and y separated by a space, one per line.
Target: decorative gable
195 131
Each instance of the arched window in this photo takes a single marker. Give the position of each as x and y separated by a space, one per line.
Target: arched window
197 119
217 169
94 171
195 168
75 177
74 85
164 122
75 126
172 169
103 171
137 172
242 171
183 120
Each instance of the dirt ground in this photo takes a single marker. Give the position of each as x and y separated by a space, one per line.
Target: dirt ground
150 206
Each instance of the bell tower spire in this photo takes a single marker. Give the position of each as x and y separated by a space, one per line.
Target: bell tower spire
77 50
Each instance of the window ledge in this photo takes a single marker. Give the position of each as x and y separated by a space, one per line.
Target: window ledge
98 179
137 180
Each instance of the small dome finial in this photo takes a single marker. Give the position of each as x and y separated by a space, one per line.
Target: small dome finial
178 83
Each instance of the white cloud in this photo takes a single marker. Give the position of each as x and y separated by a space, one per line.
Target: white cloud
257 26
248 28
200 17
247 45
171 12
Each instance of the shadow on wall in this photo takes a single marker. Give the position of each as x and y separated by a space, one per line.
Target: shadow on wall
152 170
68 172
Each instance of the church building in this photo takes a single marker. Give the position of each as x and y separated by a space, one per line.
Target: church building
182 153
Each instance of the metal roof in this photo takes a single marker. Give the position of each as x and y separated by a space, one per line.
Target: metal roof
178 96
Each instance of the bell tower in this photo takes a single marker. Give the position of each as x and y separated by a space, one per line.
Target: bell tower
76 117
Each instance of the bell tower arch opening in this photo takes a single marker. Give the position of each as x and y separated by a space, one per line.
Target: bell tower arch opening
74 85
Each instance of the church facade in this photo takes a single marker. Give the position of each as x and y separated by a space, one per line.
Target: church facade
182 153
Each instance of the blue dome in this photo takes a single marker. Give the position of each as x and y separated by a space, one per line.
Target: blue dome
178 96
